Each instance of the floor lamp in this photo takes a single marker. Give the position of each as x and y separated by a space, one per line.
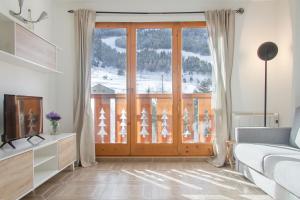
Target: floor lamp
267 51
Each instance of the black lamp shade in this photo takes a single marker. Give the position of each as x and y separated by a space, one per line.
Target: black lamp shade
267 51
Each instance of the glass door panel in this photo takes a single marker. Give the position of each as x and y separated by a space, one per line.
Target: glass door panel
109 87
196 115
151 89
154 98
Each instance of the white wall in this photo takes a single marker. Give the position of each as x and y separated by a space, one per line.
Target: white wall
267 20
18 80
295 5
264 21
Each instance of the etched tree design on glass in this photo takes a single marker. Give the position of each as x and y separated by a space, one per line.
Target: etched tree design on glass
123 125
144 123
164 118
154 119
206 124
31 123
186 132
102 125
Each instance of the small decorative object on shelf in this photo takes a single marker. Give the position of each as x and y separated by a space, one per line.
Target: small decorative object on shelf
30 25
54 118
18 15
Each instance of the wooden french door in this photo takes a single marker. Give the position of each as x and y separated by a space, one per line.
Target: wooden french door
154 104
141 104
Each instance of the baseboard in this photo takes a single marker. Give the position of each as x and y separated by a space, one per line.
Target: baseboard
150 159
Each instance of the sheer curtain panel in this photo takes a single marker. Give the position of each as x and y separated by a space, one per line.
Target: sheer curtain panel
83 117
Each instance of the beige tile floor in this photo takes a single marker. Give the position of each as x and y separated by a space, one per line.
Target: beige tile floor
148 180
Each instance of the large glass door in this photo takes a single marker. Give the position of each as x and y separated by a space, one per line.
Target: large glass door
151 89
196 119
154 101
109 87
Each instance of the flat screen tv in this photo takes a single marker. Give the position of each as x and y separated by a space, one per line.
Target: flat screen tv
23 118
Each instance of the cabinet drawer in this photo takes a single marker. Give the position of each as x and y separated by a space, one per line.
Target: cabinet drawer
34 48
16 176
66 151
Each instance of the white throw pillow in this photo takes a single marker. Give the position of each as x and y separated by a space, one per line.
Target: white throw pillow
297 140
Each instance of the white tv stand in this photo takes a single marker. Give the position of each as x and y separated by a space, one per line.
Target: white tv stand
32 163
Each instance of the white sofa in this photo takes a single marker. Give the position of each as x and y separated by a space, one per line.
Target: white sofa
270 158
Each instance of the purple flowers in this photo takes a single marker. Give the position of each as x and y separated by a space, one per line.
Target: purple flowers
53 116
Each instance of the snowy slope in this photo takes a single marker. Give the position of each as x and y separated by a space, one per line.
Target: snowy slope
146 81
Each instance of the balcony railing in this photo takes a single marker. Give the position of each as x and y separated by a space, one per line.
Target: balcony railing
154 118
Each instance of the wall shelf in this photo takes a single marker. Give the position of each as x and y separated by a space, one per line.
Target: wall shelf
22 47
22 62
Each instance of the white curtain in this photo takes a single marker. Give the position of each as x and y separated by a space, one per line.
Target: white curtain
83 117
221 28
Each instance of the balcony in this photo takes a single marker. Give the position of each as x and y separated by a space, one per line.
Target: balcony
154 118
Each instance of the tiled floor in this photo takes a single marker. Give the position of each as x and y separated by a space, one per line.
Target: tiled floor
148 180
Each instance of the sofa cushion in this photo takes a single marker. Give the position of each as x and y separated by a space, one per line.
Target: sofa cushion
253 155
287 174
296 130
271 161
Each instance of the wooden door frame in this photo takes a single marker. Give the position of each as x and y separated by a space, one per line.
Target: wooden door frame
177 148
188 149
118 149
164 149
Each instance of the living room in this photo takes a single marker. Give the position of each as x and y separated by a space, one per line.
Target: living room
136 99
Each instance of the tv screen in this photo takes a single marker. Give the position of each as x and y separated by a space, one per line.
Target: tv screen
23 116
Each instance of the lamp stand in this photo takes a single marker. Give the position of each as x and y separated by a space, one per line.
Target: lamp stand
267 51
266 89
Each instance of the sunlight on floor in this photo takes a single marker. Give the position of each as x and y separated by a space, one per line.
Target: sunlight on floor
176 180
206 180
256 197
206 197
149 176
149 180
229 178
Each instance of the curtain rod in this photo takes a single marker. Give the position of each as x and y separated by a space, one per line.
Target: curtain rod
239 11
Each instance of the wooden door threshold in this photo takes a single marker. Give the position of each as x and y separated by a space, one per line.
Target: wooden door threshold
151 159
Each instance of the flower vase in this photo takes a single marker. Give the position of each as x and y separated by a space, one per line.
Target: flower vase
54 125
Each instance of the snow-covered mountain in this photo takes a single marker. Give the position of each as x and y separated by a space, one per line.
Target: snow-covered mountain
147 81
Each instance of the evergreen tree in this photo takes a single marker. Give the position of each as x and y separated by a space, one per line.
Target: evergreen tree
206 124
144 124
164 118
31 123
102 125
186 132
123 124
